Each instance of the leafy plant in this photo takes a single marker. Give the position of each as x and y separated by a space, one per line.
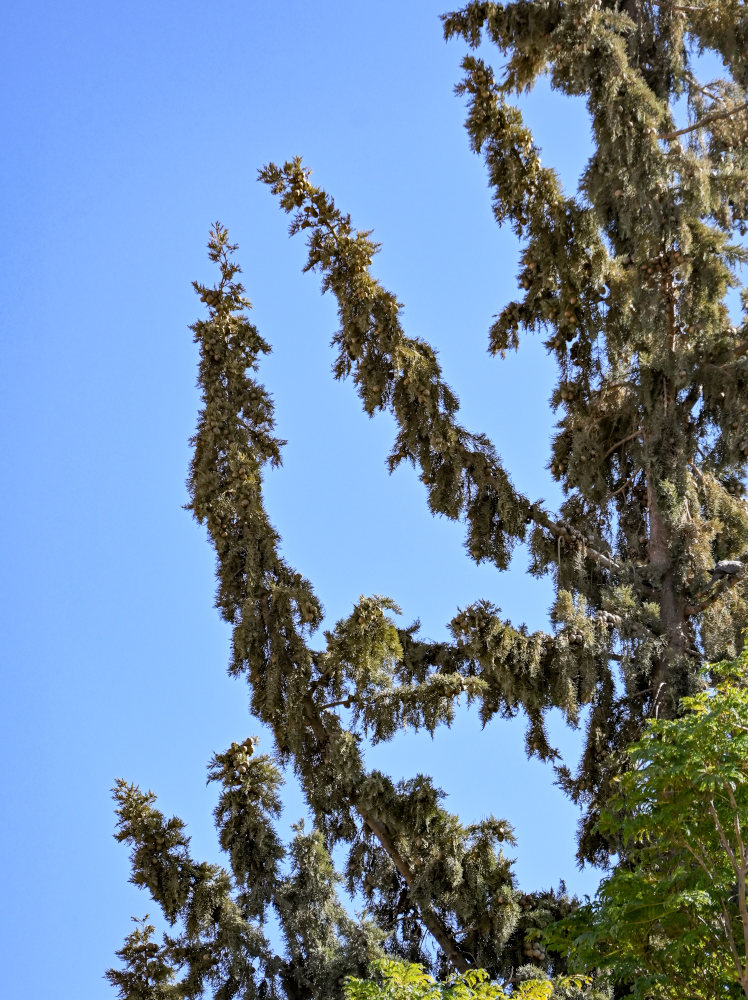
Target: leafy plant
672 919
403 981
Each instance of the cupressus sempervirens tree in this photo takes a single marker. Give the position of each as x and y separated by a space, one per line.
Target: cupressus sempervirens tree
626 281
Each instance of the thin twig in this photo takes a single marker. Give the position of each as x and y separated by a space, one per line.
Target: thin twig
708 120
618 444
336 704
680 7
620 489
743 907
726 845
707 93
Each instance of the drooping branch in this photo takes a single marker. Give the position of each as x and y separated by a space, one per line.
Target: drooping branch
461 470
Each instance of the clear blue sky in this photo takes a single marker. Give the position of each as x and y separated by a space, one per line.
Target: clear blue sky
128 129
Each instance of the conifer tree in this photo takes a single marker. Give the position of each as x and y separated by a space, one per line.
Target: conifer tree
626 279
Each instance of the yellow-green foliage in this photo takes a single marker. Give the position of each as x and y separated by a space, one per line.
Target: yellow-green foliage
403 981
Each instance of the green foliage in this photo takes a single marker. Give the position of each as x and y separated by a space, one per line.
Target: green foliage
222 946
216 945
248 804
365 648
672 919
402 981
627 279
148 974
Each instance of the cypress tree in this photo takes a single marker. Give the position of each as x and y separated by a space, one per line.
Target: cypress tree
626 279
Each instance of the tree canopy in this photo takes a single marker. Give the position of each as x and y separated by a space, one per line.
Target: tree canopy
627 280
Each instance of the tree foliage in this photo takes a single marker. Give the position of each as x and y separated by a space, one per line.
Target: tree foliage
672 919
401 981
626 280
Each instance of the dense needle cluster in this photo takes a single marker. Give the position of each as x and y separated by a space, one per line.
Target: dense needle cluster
626 279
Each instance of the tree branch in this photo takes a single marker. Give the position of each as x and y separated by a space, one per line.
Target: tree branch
707 120
679 7
347 702
567 532
430 918
618 444
620 489
693 82
731 941
346 268
727 584
727 847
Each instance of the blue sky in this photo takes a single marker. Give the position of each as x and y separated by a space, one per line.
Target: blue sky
129 129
